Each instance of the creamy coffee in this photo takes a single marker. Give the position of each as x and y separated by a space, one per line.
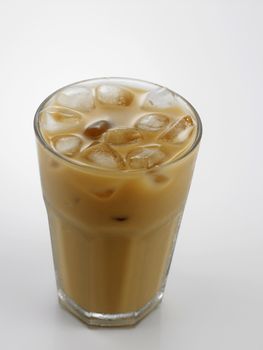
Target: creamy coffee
116 160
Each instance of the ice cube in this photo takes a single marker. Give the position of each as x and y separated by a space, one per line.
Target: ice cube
114 95
67 145
104 156
160 178
152 122
96 129
180 130
122 136
104 193
59 119
145 157
79 98
160 98
54 164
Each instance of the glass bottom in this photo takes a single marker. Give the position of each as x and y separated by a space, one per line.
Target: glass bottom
109 320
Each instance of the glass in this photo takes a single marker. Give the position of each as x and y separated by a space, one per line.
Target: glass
112 253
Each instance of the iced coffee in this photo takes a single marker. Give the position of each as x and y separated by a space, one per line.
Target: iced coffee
116 160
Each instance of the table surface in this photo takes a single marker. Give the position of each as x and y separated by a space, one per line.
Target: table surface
211 52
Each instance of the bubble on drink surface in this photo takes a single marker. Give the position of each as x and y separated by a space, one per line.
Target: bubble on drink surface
79 98
122 136
96 129
152 122
103 156
67 145
113 95
160 98
146 157
59 119
179 131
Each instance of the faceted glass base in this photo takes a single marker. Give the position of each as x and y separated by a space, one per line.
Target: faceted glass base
108 320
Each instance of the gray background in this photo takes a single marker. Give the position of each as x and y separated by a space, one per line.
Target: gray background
211 52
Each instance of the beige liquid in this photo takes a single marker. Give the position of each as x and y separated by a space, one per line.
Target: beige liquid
113 232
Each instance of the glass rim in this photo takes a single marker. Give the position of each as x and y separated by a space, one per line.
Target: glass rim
88 167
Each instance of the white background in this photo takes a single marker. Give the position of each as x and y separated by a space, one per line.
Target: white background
211 52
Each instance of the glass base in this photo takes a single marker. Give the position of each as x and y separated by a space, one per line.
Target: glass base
109 320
